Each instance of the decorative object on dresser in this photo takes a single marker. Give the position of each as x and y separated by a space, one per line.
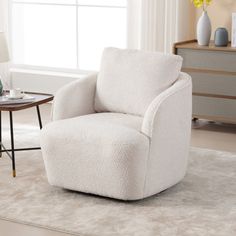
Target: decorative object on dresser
204 23
234 29
4 55
221 38
213 74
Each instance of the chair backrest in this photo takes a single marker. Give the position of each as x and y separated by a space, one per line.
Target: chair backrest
130 79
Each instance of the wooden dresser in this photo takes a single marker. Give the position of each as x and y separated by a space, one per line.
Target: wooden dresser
213 71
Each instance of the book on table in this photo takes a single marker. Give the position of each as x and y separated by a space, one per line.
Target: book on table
7 100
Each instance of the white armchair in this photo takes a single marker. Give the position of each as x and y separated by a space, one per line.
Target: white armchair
123 133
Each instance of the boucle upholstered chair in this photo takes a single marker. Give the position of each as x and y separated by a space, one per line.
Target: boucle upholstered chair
124 132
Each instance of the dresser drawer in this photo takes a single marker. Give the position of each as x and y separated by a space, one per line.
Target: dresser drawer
206 59
213 72
214 83
214 107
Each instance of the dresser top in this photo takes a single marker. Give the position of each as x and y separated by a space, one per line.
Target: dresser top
192 44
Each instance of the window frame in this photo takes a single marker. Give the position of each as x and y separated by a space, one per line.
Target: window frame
58 69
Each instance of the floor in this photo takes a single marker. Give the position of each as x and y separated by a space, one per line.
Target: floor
204 134
212 135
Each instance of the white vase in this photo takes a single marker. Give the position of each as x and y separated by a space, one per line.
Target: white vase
204 29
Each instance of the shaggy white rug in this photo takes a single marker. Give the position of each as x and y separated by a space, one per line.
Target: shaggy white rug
203 204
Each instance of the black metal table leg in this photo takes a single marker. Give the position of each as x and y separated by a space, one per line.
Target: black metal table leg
12 146
39 117
0 133
11 152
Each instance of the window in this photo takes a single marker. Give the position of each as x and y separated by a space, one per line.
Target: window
68 34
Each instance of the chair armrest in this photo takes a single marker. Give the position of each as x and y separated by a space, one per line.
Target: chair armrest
167 122
172 105
75 99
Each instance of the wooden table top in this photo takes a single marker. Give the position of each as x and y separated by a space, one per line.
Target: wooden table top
40 98
192 44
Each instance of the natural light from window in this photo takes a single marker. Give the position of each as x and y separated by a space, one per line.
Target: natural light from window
66 34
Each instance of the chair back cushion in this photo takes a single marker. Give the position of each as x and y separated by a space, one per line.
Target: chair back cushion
130 79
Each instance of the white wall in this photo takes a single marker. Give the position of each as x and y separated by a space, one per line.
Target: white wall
38 81
186 20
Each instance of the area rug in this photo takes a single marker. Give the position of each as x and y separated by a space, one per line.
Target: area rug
203 204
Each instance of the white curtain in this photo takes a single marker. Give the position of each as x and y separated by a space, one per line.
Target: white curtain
4 67
156 24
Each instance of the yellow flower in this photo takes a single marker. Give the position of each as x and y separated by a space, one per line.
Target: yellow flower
197 3
208 2
201 3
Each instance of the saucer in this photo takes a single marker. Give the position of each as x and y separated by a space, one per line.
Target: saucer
16 97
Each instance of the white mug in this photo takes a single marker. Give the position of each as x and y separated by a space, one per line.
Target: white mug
15 92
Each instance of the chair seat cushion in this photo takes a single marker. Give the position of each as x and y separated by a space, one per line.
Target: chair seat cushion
129 80
103 153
